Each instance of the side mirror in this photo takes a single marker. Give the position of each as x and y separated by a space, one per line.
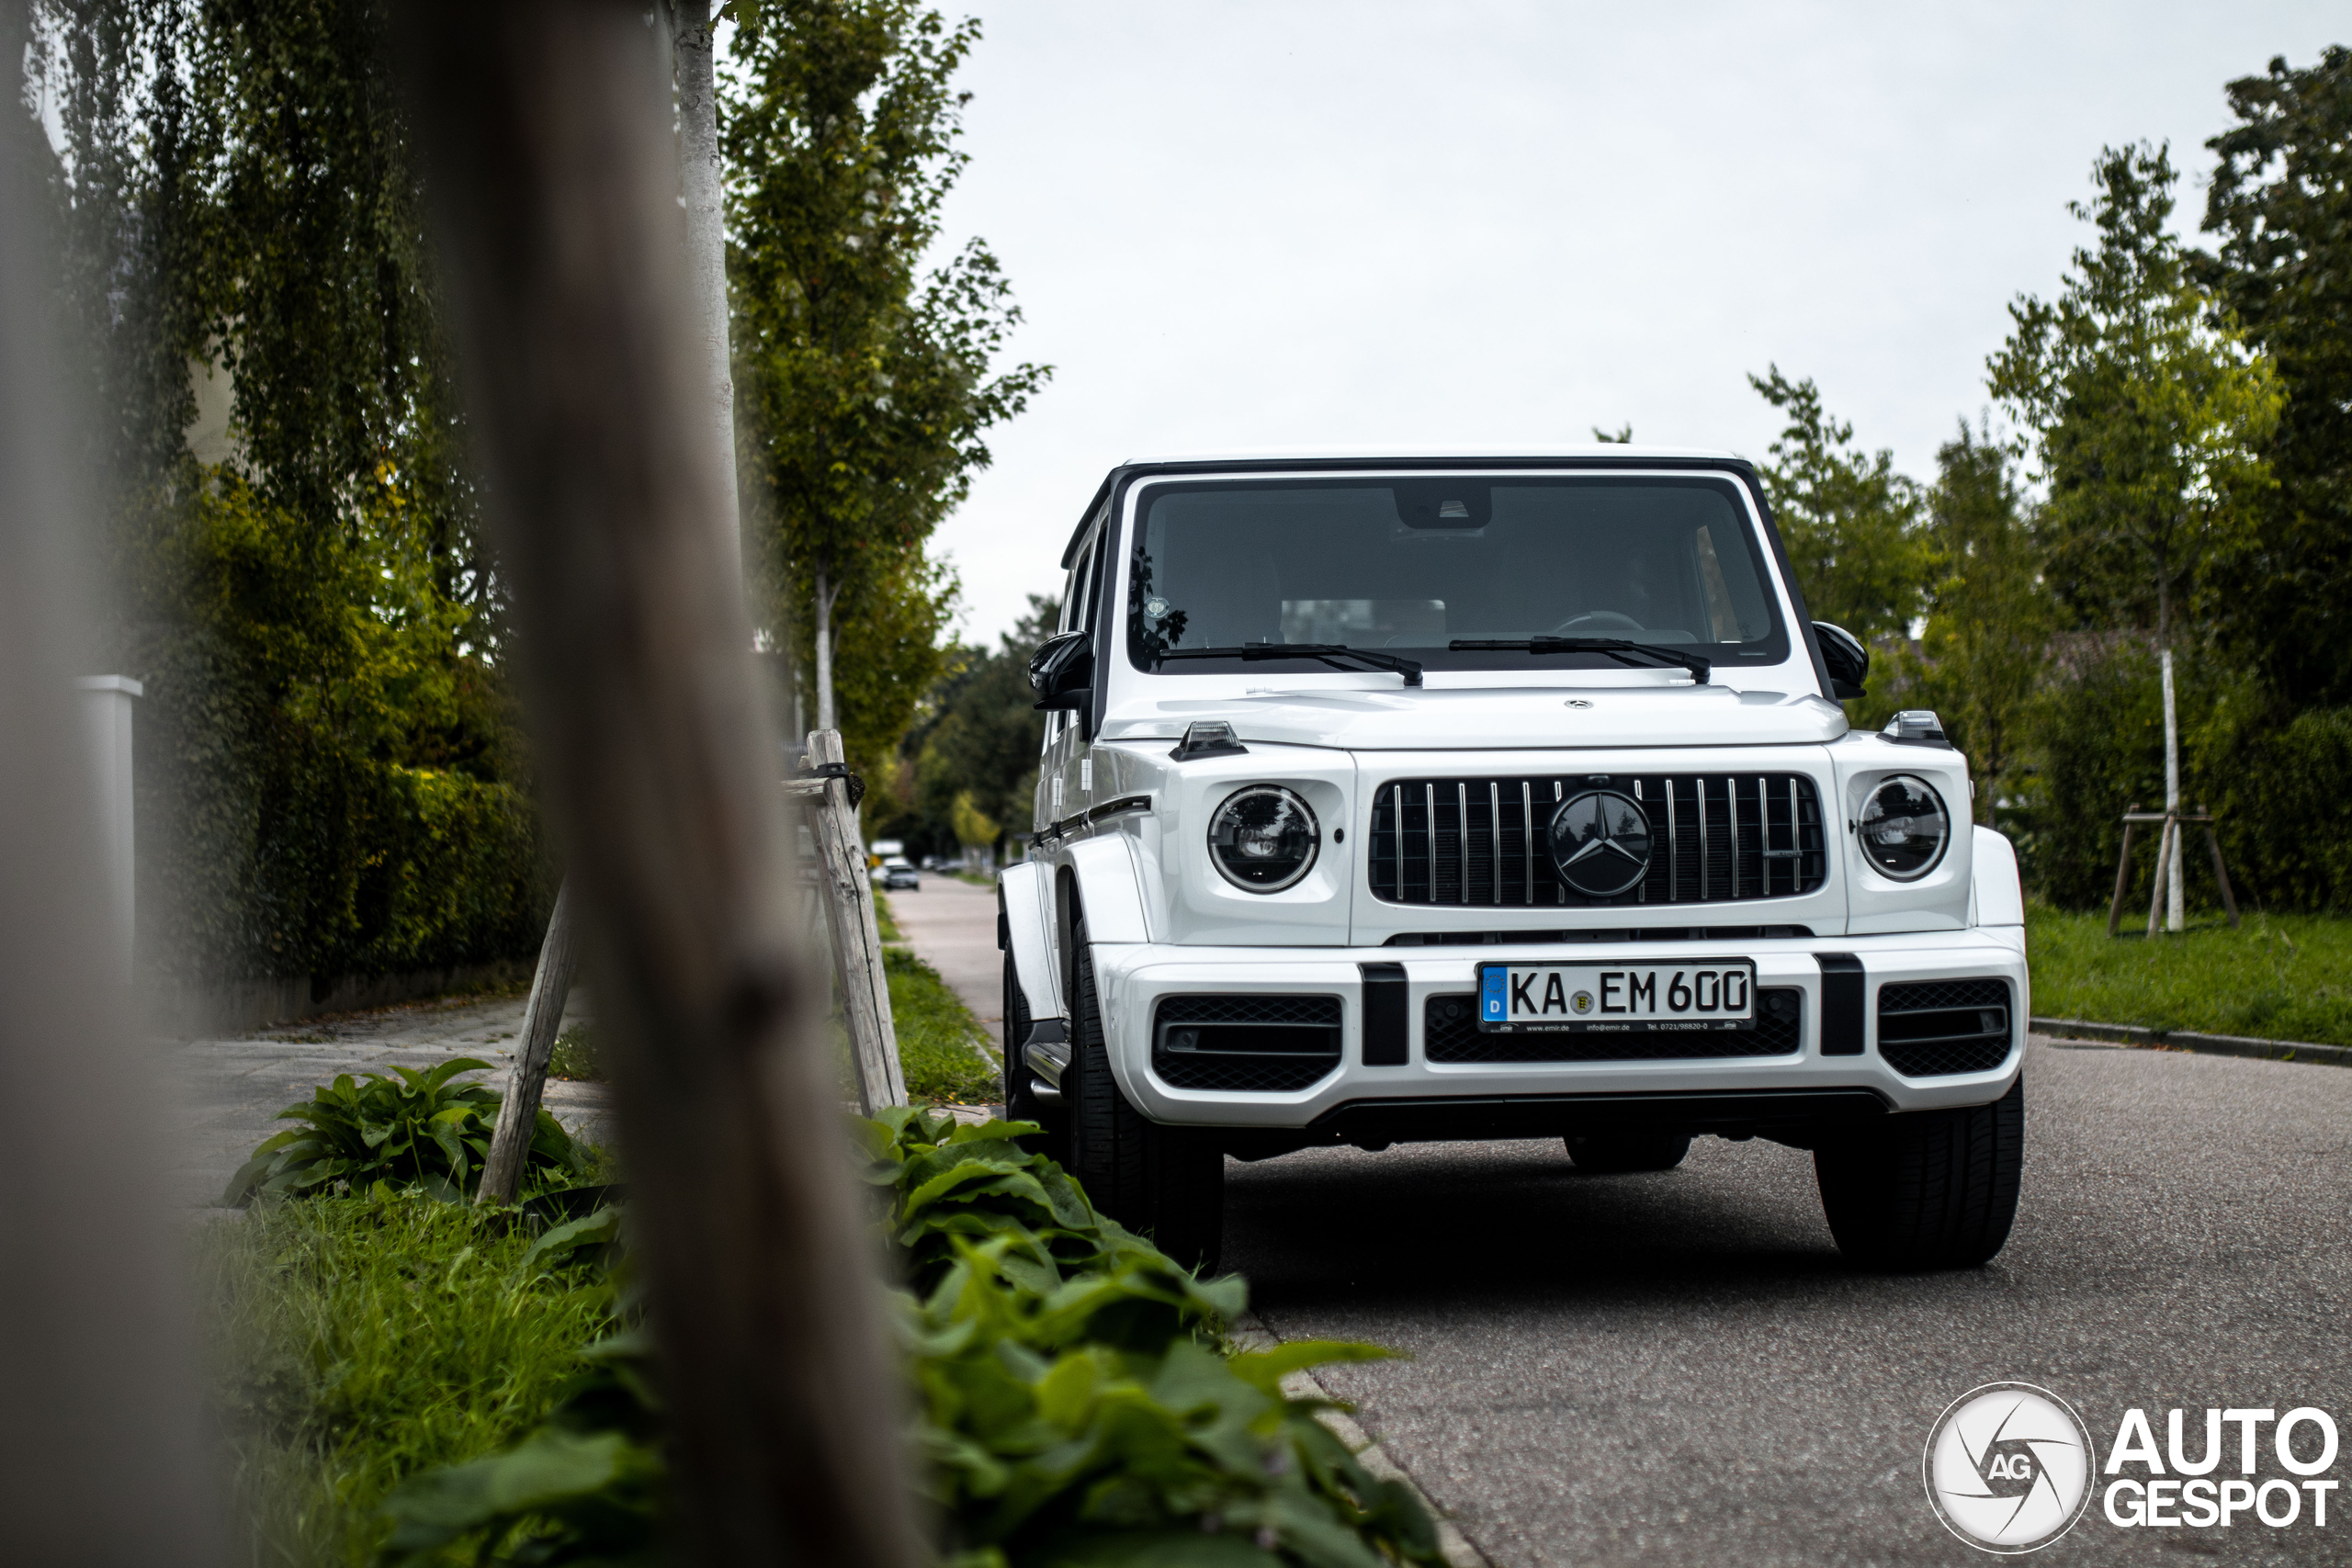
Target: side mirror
1062 672
1849 661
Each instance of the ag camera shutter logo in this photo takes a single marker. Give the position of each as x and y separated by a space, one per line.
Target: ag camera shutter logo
2008 1467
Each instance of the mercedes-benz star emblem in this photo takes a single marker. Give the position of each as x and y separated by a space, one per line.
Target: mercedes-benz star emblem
1600 842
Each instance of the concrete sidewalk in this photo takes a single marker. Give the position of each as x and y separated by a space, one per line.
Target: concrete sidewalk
952 927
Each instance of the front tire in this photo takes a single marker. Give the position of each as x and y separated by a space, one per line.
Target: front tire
1021 1102
1167 1182
1928 1189
1624 1155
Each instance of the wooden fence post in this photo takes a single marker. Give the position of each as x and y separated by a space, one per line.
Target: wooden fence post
518 1114
856 935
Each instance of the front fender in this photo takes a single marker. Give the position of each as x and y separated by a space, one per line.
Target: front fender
1109 887
1025 913
1995 894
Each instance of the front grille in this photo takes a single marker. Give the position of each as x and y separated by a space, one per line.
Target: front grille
1263 1044
1715 838
1933 1028
1450 1032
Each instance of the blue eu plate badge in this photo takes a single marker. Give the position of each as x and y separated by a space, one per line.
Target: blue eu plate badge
1493 1005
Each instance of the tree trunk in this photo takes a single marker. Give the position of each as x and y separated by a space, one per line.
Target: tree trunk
699 169
518 1114
824 629
554 175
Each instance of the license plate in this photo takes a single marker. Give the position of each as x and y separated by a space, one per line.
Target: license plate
1691 996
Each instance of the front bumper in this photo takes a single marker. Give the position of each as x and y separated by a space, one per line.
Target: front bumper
1355 1102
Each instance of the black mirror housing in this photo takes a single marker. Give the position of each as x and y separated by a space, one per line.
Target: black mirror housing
1847 659
1062 672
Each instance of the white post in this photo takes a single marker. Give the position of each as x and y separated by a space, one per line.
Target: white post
2168 866
106 713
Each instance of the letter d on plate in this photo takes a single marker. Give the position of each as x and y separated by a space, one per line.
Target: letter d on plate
1491 1004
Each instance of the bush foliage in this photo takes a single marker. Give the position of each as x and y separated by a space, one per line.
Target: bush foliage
1075 1401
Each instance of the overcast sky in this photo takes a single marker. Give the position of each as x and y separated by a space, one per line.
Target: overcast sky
1238 225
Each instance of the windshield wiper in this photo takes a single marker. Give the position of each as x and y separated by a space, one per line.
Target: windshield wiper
1616 648
1335 654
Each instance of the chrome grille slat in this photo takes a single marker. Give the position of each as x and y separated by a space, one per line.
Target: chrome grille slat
1719 839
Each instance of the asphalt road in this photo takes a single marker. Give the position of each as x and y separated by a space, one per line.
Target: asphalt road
1677 1368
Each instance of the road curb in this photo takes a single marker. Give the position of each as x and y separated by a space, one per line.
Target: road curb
1250 1332
2191 1040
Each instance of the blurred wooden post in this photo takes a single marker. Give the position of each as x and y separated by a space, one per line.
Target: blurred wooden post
856 935
518 1114
554 175
104 1442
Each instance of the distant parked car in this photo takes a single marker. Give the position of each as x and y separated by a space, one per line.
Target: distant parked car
896 873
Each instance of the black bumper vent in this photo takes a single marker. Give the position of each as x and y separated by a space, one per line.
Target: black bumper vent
1450 1033
1268 1045
1934 1028
1715 838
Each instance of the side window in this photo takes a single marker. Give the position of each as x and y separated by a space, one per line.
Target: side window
1077 615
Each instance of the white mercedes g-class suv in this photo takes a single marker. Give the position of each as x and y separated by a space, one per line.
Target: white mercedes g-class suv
1418 797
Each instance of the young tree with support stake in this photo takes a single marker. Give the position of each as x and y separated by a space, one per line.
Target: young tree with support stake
2150 412
867 383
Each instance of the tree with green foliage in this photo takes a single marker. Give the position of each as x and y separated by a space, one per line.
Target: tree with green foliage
866 384
1850 522
1985 644
331 777
2148 410
2281 203
980 737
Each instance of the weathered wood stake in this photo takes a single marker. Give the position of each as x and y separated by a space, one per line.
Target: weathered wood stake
856 936
501 1173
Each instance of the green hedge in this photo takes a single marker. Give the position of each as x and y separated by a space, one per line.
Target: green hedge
266 851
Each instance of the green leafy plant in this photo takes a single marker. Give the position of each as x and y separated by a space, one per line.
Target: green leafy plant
419 1130
1076 1400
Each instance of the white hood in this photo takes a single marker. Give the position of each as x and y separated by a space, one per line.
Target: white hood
1490 719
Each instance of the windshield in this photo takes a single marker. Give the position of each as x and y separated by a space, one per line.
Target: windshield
1412 567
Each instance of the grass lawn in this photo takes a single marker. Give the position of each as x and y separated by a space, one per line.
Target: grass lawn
943 1049
2276 978
358 1343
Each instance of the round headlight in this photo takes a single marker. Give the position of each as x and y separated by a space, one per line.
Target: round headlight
1904 828
1263 839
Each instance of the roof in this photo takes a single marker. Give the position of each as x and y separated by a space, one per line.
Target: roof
1413 454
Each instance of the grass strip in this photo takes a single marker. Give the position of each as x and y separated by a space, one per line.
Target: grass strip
943 1049
360 1341
2276 978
